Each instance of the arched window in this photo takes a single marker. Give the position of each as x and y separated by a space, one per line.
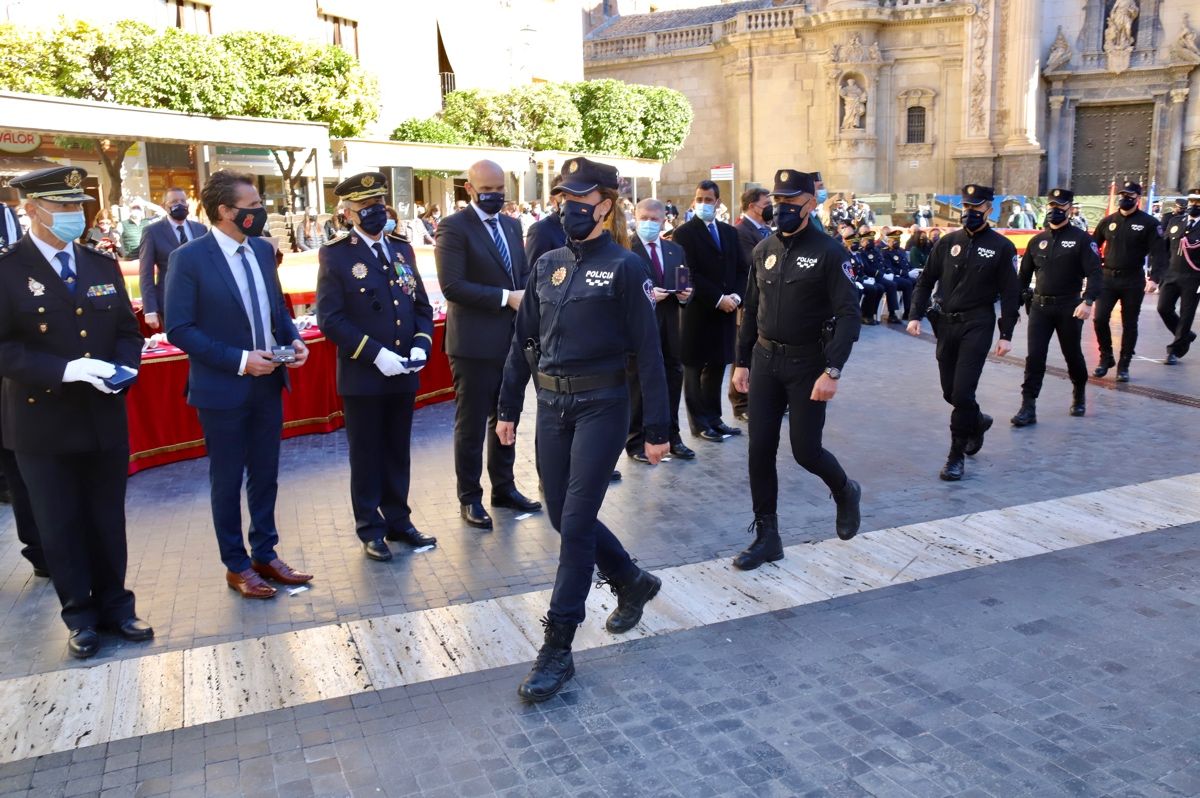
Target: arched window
916 125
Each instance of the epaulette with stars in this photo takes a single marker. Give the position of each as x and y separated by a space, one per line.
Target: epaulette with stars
399 237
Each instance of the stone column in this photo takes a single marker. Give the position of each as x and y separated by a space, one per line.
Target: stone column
1175 137
1053 137
1023 26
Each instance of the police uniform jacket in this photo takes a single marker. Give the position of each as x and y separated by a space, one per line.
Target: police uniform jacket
1129 240
971 272
1061 259
364 307
43 326
895 261
1182 229
709 333
799 283
587 306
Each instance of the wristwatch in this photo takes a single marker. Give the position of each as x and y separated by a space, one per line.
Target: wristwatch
833 373
1088 302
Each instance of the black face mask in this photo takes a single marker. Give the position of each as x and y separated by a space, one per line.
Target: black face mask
372 219
768 213
1127 203
179 212
490 202
1056 216
791 217
854 247
578 219
973 219
251 221
1194 211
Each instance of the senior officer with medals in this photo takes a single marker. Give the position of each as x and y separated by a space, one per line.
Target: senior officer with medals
66 325
800 282
969 267
1179 278
372 304
593 284
1062 256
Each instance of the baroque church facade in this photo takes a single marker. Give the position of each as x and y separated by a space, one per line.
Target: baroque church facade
918 97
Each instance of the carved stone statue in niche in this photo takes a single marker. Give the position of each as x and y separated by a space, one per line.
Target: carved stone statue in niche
854 50
854 104
1184 49
1060 52
1119 33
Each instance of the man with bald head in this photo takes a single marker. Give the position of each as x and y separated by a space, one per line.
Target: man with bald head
482 270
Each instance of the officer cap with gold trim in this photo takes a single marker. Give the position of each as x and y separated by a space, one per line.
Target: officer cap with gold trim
583 176
793 183
975 194
54 184
1062 196
895 232
1131 187
362 186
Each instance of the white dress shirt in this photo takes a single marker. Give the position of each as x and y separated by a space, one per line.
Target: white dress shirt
187 236
229 248
483 217
373 240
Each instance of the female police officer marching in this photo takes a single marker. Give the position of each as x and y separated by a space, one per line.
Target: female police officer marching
585 306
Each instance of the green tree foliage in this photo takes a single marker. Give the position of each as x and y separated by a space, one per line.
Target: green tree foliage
428 131
666 122
612 116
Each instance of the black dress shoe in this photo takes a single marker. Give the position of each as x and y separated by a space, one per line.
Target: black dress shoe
640 457
893 318
476 516
377 550
849 516
680 450
554 665
515 501
411 536
615 476
1171 360
135 629
1106 362
41 572
711 434
1122 374
83 643
767 545
632 594
725 429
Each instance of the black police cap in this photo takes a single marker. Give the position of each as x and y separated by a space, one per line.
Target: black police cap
1131 187
793 183
1062 196
975 194
362 186
55 184
583 176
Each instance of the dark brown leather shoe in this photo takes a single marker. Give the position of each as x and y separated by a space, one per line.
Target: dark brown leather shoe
279 571
249 584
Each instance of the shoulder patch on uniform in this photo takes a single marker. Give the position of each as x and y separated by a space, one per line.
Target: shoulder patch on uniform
648 289
1016 263
1096 249
339 238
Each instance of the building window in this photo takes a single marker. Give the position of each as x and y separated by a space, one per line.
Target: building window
192 17
342 32
916 125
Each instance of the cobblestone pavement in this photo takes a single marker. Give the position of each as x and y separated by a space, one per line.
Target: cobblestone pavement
1068 673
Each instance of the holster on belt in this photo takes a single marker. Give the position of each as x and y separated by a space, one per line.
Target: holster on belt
533 354
934 314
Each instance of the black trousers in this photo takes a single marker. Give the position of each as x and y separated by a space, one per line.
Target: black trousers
78 500
1180 324
379 432
578 442
904 291
27 530
477 391
702 395
244 441
962 349
779 383
871 295
1044 322
738 400
1129 289
635 440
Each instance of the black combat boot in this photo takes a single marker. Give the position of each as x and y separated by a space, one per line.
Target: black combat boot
893 318
1078 402
767 547
554 665
632 595
975 442
1123 371
1027 415
1106 362
848 515
952 471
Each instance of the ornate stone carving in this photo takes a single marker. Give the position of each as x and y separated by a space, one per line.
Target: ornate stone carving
1060 52
854 98
853 52
980 51
1118 35
1184 50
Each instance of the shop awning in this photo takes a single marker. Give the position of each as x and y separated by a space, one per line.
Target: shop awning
359 155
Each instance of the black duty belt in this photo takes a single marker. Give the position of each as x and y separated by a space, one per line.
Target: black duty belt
579 384
789 350
1045 300
1125 272
966 315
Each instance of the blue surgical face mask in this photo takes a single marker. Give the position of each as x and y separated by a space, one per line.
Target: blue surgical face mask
822 195
389 226
649 230
706 212
66 225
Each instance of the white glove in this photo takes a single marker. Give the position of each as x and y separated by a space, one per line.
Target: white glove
889 277
869 281
416 359
914 273
89 370
858 285
389 363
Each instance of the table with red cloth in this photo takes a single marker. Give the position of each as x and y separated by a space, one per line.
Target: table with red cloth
164 429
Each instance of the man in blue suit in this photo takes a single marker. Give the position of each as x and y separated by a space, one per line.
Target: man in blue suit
159 240
226 310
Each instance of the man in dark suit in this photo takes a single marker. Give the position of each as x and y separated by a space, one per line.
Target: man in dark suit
10 225
546 233
482 270
372 304
751 228
662 259
66 325
159 240
719 270
226 310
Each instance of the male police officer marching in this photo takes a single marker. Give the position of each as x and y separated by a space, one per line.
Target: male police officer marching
372 304
1061 256
1180 279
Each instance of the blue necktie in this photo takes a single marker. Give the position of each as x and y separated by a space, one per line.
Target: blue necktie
68 276
500 245
256 318
712 228
764 231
